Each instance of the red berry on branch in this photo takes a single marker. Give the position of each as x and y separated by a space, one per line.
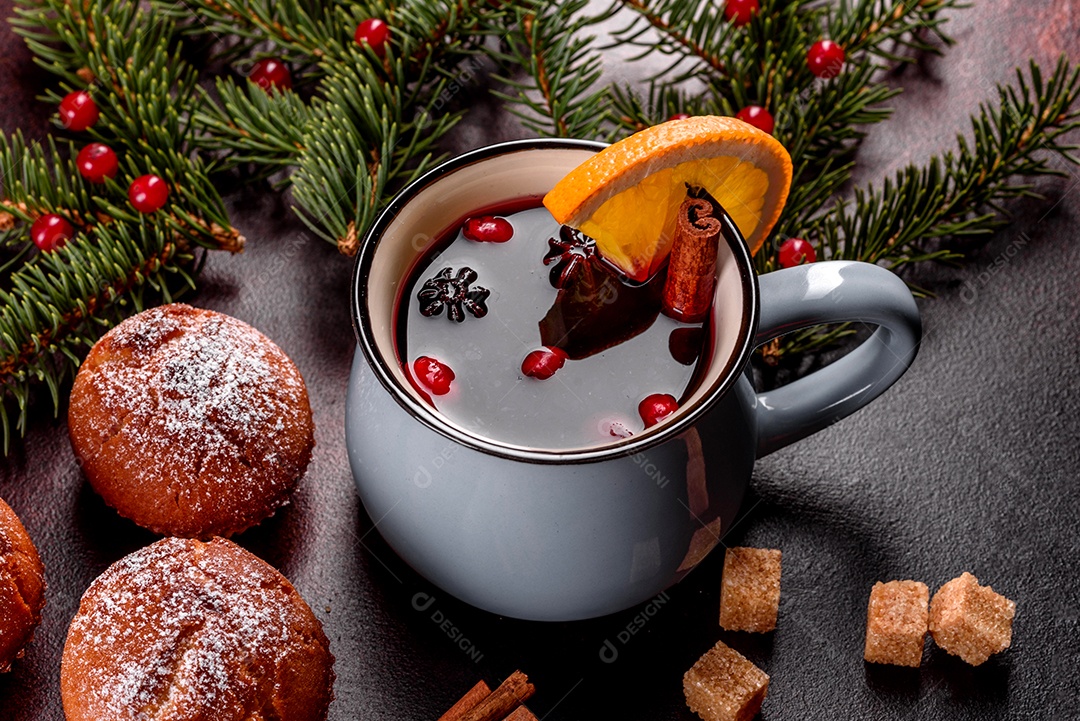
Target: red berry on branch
679 116
435 375
50 232
825 59
542 364
796 251
271 73
757 116
148 193
488 229
78 111
374 33
739 12
657 407
96 162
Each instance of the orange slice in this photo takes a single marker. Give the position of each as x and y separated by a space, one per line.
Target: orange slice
626 197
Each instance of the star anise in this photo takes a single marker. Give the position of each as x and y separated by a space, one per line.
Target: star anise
454 294
571 253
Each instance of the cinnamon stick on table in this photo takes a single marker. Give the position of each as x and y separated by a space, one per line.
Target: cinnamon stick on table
468 702
511 693
691 273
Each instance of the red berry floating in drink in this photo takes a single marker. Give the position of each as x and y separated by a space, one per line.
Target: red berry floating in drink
148 193
50 232
739 12
825 59
435 375
97 162
757 116
543 363
271 73
78 111
488 229
796 251
374 33
656 407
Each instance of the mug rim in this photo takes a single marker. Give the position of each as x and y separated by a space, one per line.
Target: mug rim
688 416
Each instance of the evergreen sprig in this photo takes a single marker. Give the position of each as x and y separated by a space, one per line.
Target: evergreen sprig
560 94
375 118
53 305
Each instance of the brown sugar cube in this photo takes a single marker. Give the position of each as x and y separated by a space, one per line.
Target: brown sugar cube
724 686
971 621
896 623
750 589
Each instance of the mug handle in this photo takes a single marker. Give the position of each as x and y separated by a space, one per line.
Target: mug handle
833 292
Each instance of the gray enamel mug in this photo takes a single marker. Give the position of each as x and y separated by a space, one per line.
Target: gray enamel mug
565 534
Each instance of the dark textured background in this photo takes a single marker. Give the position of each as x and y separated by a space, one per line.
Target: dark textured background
969 463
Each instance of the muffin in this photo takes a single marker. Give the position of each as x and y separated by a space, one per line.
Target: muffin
22 587
190 423
186 630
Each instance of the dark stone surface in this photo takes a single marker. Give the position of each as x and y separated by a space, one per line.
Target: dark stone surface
968 463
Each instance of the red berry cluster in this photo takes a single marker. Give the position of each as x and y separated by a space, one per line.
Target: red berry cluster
97 162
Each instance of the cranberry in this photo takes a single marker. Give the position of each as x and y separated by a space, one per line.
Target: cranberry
825 58
757 116
78 111
657 407
684 344
374 33
488 229
739 12
796 251
148 193
50 232
96 162
435 375
271 73
679 116
542 364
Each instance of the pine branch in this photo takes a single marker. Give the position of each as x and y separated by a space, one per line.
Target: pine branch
253 126
687 31
560 97
55 303
963 192
362 138
59 302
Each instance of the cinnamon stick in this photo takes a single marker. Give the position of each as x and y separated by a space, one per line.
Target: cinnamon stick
511 693
467 702
522 714
691 271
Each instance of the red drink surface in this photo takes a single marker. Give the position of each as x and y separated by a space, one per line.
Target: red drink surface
617 344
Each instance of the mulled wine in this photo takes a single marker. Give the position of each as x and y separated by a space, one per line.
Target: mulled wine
514 328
